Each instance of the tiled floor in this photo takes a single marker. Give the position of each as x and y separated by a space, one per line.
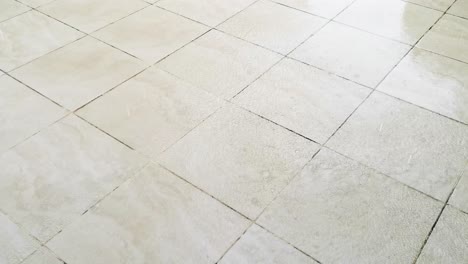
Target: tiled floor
233 131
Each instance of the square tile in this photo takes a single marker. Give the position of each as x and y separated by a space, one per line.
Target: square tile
448 242
35 3
42 256
239 158
304 99
220 64
208 12
151 34
91 15
393 19
351 53
55 176
259 246
459 8
273 26
431 81
19 32
421 149
441 5
151 111
448 37
23 112
16 244
339 211
154 218
11 8
459 197
77 73
323 8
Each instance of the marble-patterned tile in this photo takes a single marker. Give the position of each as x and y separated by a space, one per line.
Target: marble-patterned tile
273 26
221 64
91 15
448 37
77 73
459 197
151 111
323 8
154 218
23 112
351 53
258 246
339 211
11 8
421 149
19 32
304 99
441 5
459 8
56 175
15 244
239 158
151 34
42 256
448 242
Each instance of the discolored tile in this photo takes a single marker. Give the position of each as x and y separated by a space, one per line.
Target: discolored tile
11 8
459 197
324 8
459 8
15 244
441 5
42 256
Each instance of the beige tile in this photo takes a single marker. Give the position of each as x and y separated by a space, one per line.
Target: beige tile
342 212
324 8
459 197
273 26
459 8
419 148
18 33
11 8
23 112
151 111
441 5
42 256
351 53
220 64
154 218
431 81
393 19
259 246
239 158
52 178
15 244
208 12
448 37
90 15
448 241
151 34
304 99
35 3
77 73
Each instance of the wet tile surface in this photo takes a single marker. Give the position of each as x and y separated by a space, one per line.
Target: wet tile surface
15 243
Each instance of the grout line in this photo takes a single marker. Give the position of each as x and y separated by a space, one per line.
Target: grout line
235 242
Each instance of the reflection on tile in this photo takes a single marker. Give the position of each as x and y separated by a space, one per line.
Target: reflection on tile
11 8
53 177
459 8
19 32
304 99
151 111
324 8
23 112
419 148
342 212
459 197
441 5
15 244
258 246
351 53
239 158
221 64
42 256
431 81
154 218
74 75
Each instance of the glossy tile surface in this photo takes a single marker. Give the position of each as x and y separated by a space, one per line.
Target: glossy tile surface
459 8
323 8
15 243
11 8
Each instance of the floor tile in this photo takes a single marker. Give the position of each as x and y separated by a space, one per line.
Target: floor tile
220 64
14 242
448 242
151 111
366 61
441 5
77 73
259 246
324 8
448 37
90 15
393 19
32 27
52 178
239 158
304 99
459 197
431 81
151 34
459 8
35 3
208 12
42 256
419 148
23 112
388 222
11 8
273 26
171 222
